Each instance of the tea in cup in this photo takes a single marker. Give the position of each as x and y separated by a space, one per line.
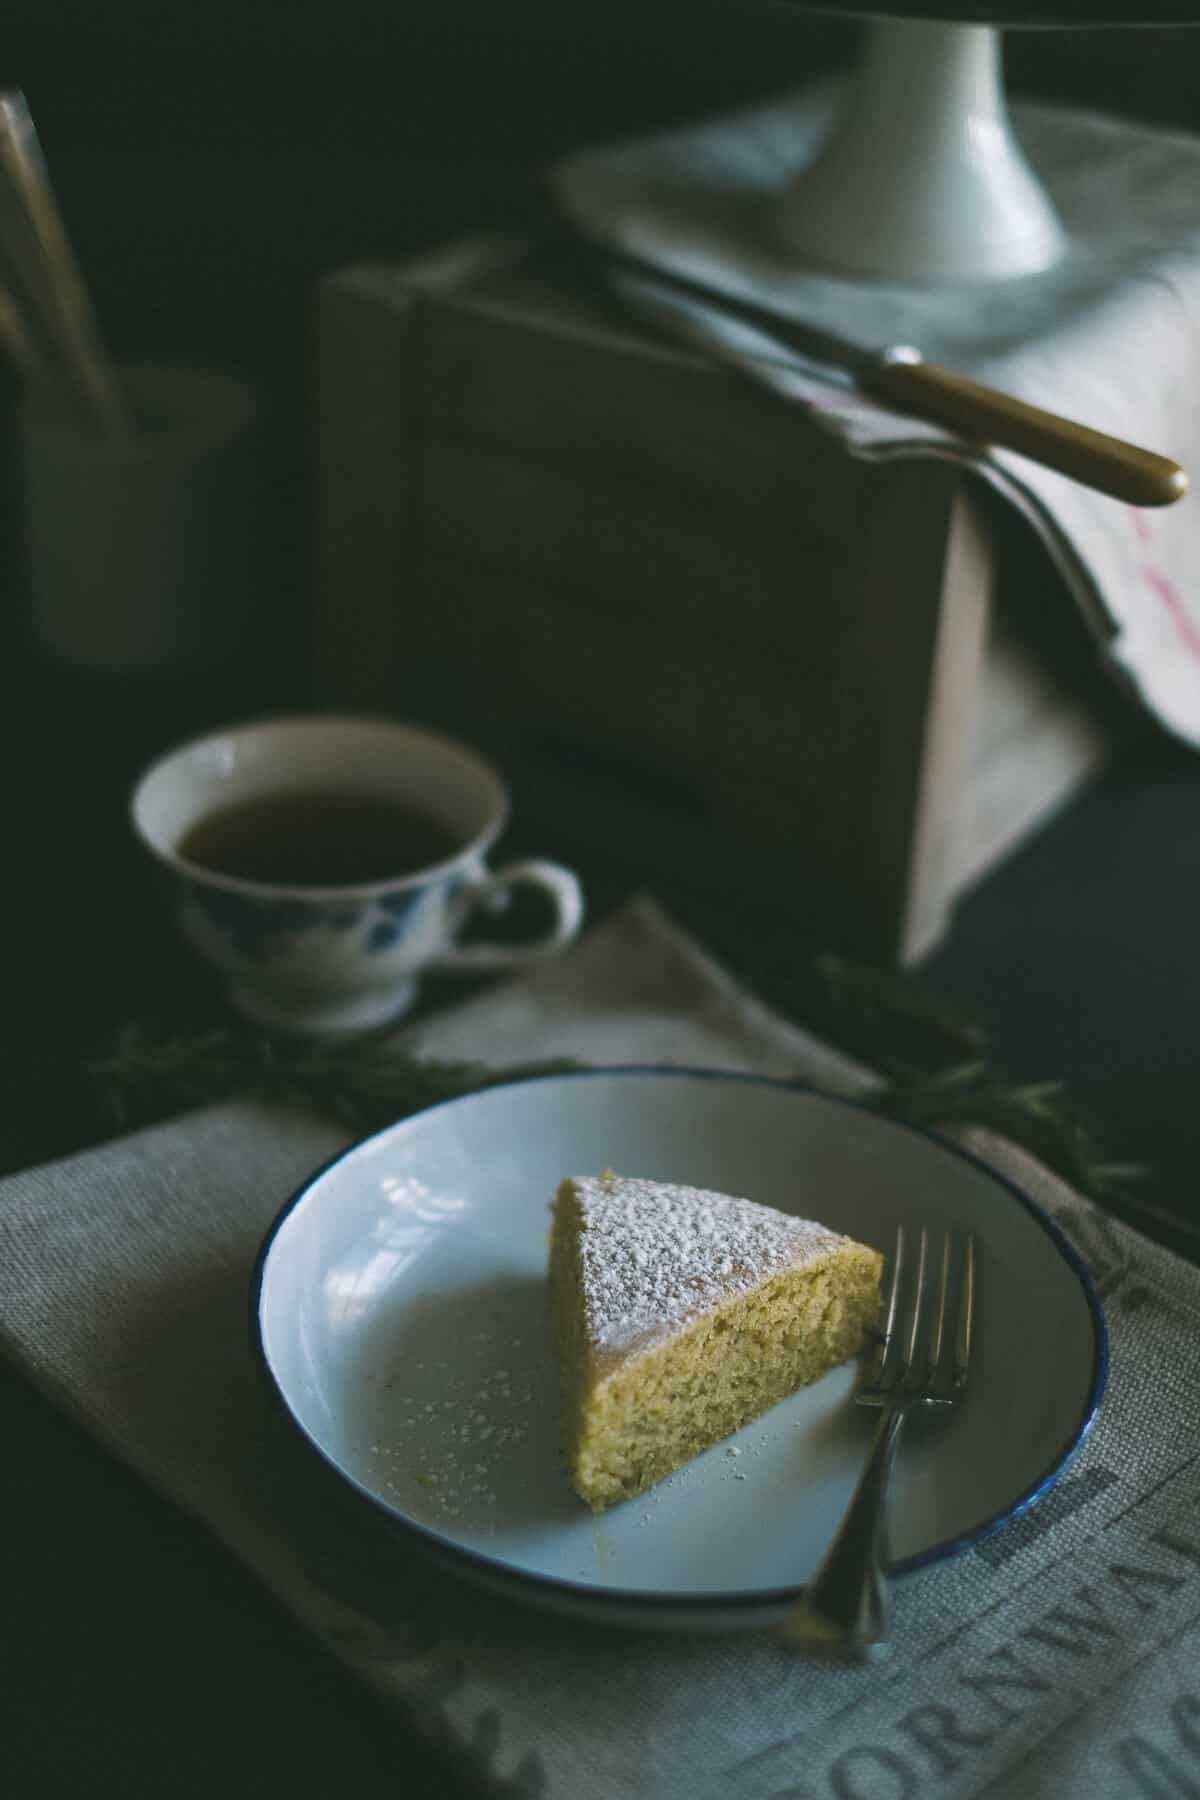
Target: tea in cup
323 863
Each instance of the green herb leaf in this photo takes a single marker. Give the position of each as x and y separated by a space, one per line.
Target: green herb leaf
141 1075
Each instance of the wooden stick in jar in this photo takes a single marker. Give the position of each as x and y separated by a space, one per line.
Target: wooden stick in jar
39 253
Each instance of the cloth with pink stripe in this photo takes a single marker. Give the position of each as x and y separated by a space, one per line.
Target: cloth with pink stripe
1109 337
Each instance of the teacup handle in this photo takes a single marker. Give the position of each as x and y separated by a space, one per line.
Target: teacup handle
565 895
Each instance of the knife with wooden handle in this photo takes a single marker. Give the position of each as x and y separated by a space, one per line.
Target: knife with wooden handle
747 333
903 379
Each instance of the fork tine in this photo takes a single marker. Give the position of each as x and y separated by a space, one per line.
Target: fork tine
939 1315
918 1302
883 1356
966 1316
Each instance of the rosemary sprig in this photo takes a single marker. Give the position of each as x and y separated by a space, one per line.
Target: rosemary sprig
142 1075
1036 1115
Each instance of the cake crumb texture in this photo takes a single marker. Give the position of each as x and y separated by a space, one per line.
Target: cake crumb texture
680 1314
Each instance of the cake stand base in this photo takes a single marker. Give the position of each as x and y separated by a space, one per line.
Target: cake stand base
922 179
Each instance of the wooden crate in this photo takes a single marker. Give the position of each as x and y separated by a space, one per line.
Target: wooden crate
582 547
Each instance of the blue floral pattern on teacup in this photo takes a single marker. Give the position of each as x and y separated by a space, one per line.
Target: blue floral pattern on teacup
260 928
393 913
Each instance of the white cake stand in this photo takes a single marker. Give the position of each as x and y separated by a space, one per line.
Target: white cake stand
921 178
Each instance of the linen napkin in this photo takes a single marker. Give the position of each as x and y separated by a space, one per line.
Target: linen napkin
1055 1658
1109 337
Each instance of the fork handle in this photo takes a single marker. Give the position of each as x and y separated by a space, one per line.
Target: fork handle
844 1608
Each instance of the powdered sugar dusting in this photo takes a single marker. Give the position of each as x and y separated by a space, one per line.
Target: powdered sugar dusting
654 1254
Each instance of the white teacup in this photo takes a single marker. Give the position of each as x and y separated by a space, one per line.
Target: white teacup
317 955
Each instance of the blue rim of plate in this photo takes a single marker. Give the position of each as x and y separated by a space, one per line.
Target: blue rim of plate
449 1553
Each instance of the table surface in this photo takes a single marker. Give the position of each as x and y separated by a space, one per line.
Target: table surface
142 1646
142 1659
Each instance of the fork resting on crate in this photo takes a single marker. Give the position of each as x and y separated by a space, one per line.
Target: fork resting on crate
921 1359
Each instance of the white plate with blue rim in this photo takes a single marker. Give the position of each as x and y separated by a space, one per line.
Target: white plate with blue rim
400 1308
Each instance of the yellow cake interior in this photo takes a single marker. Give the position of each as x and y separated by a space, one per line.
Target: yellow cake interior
681 1314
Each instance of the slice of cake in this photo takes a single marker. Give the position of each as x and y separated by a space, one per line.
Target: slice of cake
680 1314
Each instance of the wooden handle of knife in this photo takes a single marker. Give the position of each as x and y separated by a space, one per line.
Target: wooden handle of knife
974 411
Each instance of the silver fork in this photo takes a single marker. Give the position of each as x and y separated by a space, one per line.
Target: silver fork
921 1360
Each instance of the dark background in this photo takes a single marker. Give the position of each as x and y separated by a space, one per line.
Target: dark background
210 159
210 162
